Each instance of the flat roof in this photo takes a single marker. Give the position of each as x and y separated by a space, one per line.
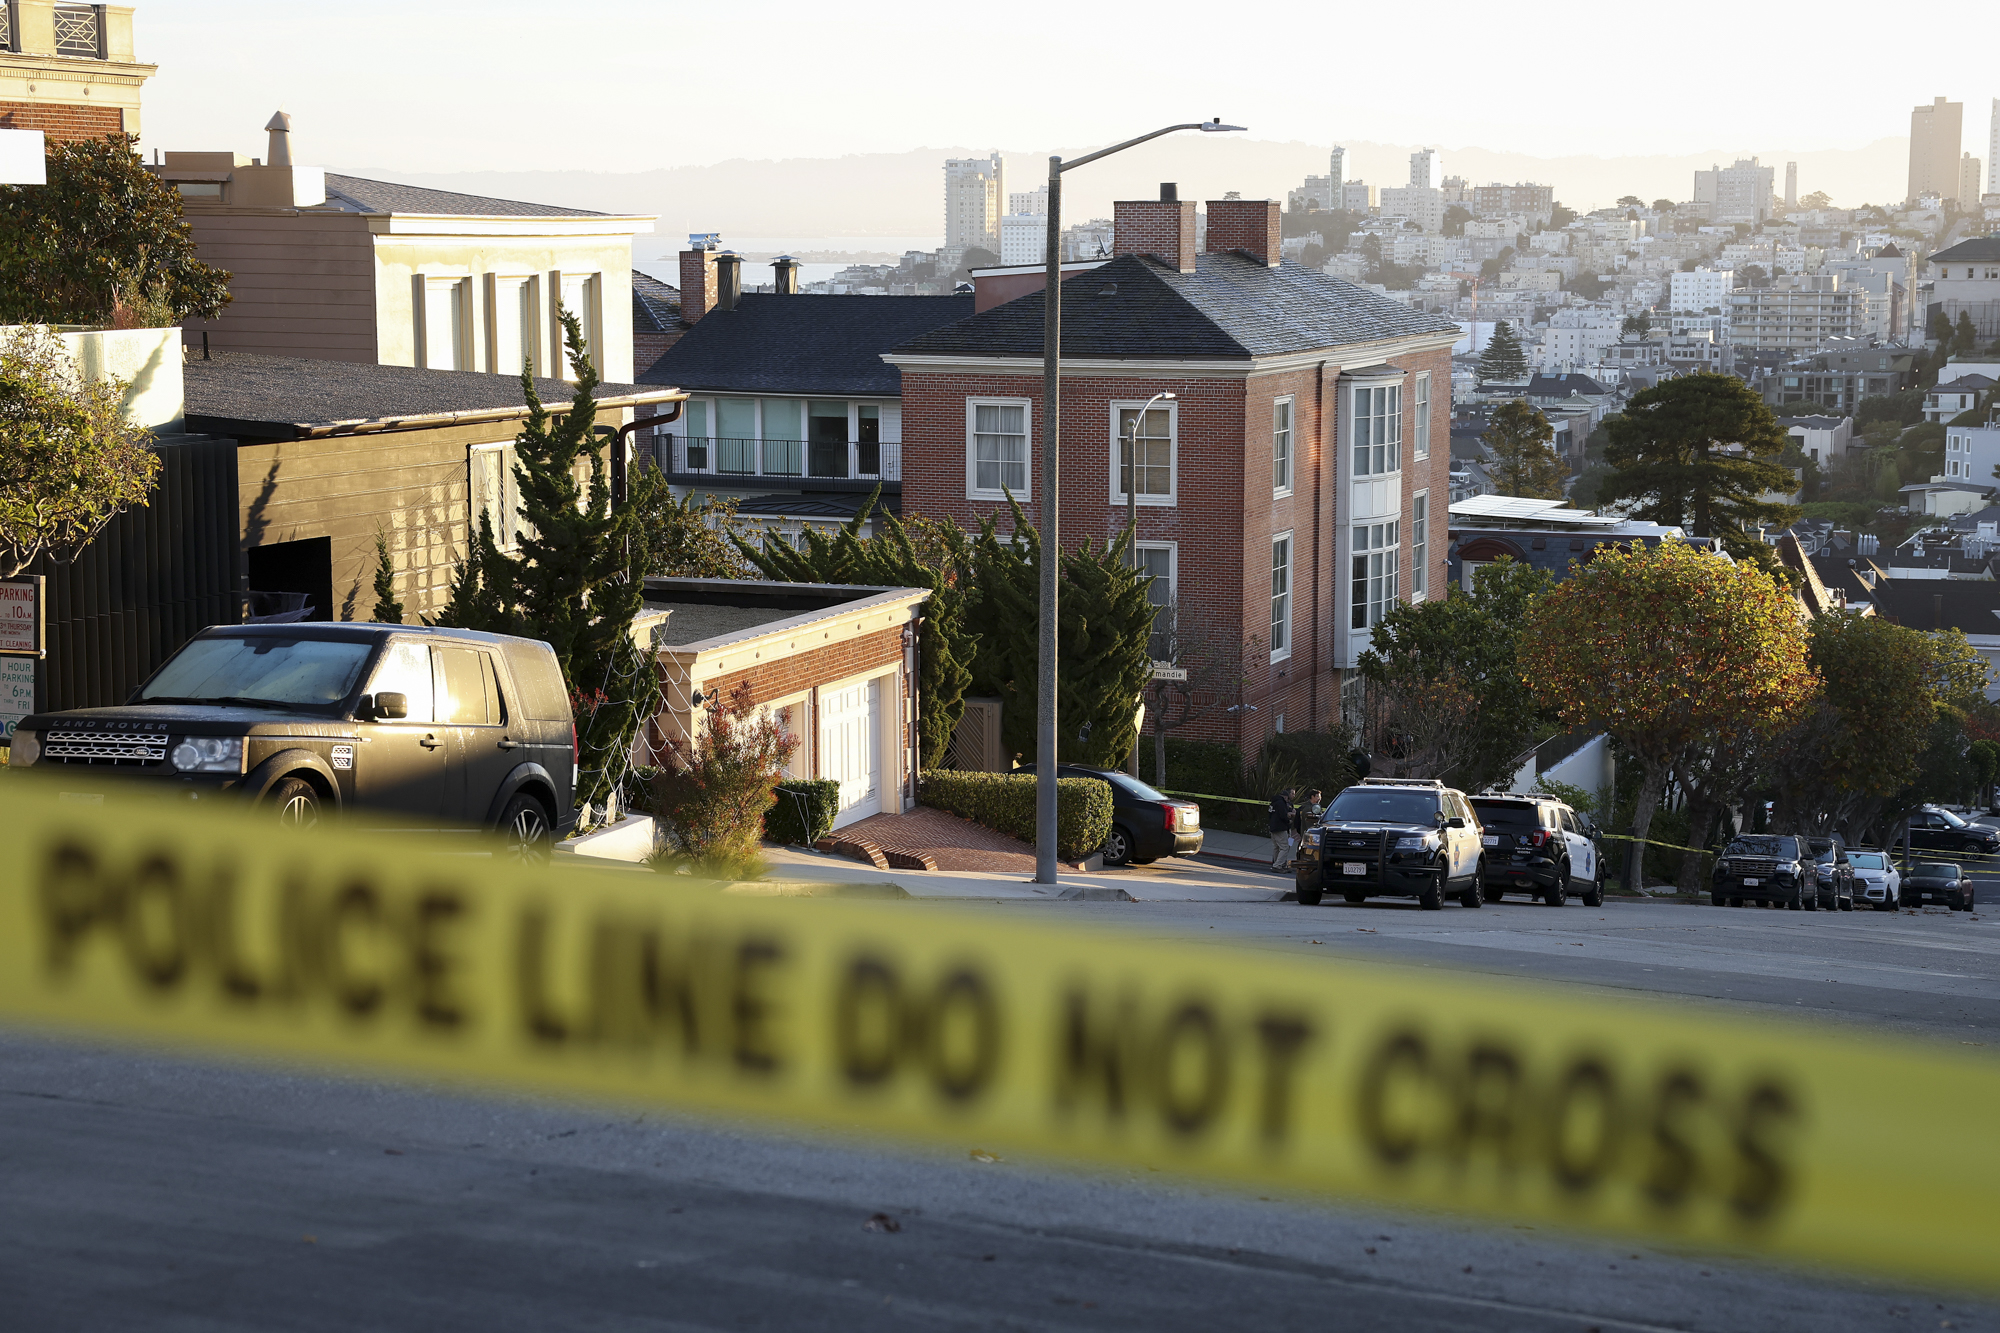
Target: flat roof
1521 509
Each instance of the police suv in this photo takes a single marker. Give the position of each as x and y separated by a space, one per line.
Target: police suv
1394 838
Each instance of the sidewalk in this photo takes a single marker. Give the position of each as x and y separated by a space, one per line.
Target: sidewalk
1176 879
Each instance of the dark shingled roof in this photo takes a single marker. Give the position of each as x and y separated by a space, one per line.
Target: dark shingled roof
354 194
1972 605
656 307
1231 308
842 507
1978 250
803 344
288 397
1562 386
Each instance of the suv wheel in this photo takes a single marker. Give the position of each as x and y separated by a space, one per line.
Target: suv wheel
1476 895
1717 900
524 826
296 802
1117 847
1559 895
1432 898
1310 894
1971 848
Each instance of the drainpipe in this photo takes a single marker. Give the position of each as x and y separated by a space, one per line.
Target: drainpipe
672 414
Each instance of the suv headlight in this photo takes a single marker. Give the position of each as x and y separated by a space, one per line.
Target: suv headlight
27 748
1417 842
209 754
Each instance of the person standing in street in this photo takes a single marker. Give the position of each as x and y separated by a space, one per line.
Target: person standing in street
1304 817
1281 829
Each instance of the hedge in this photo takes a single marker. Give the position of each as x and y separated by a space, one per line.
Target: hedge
1206 766
1006 802
804 811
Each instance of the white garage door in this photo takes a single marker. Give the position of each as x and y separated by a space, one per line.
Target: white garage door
850 747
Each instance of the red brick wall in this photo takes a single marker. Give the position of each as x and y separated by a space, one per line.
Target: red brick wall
1253 225
650 347
855 656
60 121
1157 227
698 284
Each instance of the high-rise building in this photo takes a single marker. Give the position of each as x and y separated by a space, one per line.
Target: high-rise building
1968 181
1738 193
1035 201
975 192
1934 136
1336 161
1425 171
1993 148
1791 185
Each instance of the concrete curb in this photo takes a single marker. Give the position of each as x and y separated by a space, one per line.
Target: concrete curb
805 888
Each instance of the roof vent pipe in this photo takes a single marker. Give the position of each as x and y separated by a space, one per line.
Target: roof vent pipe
280 126
728 279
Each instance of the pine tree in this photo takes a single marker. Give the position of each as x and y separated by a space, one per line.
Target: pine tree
1673 449
1503 359
947 643
1524 463
1965 339
388 611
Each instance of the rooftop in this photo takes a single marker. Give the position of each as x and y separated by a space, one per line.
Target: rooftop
1517 510
1978 250
356 194
1231 308
803 344
656 306
286 397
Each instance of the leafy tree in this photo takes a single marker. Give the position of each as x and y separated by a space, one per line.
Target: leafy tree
1497 265
69 461
104 242
688 537
1455 218
1630 201
1502 358
1519 437
1664 647
1104 625
947 642
388 611
1444 680
1212 653
1636 326
1753 275
1663 205
1903 409
717 784
1817 199
1589 286
1942 331
1560 217
577 582
1984 756
1965 337
1674 448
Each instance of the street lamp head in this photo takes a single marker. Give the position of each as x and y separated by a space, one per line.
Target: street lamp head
1217 127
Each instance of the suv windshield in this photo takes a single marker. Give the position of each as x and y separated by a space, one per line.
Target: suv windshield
259 669
1936 870
1507 814
1384 805
1867 861
1952 819
1822 850
1763 845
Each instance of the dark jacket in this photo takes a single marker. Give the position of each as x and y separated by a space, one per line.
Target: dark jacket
1281 814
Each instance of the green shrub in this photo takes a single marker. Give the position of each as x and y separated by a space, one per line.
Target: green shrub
1315 760
1203 766
1006 802
804 812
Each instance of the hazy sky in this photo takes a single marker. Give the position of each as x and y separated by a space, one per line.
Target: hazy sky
620 85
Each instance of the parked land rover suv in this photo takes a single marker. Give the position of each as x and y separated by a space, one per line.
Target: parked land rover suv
442 727
1394 838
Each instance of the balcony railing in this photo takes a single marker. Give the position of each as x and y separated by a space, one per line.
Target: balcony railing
79 32
713 456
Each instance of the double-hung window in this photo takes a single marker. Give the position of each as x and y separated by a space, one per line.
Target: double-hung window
1281 596
1374 551
1378 430
1281 447
1420 543
1145 449
1156 566
1423 406
997 451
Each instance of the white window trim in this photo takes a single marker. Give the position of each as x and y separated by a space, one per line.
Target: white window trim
1291 592
1117 460
1420 407
1420 582
972 490
1291 446
1173 550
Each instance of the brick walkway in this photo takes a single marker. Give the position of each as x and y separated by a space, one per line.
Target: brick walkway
956 844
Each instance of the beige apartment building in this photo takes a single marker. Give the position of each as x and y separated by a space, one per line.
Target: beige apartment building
348 269
1797 313
1934 149
69 70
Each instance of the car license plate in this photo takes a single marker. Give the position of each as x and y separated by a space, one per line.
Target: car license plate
1490 840
1751 883
1353 867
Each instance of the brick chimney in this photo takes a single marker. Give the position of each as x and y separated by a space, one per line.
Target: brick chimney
1162 228
1253 226
698 291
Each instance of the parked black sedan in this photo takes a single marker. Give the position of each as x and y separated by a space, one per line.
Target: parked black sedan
1939 830
1145 824
1940 882
1836 875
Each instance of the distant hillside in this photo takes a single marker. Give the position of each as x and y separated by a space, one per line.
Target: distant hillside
894 194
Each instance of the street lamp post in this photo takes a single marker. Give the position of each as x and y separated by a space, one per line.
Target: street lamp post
1045 667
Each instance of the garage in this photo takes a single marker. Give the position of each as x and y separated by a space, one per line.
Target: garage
850 747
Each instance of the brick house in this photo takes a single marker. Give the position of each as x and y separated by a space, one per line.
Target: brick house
1294 489
69 70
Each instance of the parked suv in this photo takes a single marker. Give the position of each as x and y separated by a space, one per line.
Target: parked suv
1834 876
1941 882
440 726
1766 868
1876 879
1145 824
1538 844
1939 830
1394 838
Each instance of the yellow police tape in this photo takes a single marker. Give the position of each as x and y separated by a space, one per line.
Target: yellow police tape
1254 1067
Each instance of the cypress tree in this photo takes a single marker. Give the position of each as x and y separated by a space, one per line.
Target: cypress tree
1503 358
388 611
1523 462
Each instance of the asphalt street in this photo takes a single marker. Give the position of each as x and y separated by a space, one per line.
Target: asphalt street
157 1193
